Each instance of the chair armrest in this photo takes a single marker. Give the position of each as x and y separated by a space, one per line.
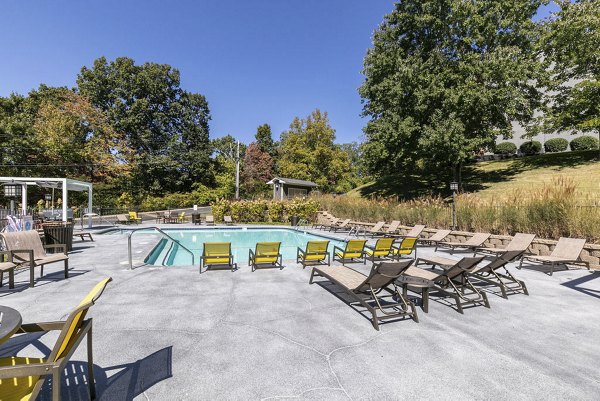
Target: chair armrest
43 326
335 247
34 369
9 254
62 247
300 251
370 247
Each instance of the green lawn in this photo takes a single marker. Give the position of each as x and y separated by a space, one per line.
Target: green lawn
496 179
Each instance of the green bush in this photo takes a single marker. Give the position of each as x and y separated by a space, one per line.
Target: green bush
255 211
584 143
505 148
556 145
531 148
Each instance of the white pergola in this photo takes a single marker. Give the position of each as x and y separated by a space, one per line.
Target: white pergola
64 184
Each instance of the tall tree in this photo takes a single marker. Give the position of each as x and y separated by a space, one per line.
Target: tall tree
307 151
264 139
164 125
258 170
444 78
572 43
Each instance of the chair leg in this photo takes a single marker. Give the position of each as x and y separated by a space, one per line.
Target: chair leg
11 278
425 299
56 384
91 381
1 278
41 270
66 268
31 274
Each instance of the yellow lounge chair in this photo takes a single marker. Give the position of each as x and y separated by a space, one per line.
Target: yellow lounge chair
133 217
22 378
315 254
265 253
217 254
407 246
381 250
181 217
355 249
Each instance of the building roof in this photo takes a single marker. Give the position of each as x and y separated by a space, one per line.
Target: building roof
293 181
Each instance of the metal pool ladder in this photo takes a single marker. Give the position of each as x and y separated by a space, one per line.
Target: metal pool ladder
164 234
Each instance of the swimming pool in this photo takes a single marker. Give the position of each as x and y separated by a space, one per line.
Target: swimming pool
242 239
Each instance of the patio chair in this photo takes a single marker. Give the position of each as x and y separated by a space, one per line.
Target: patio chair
123 219
407 246
217 255
375 231
22 378
27 250
133 217
381 250
414 232
567 251
210 220
355 250
343 226
471 244
9 267
438 236
452 281
314 254
227 220
491 274
82 234
367 290
520 242
159 217
332 223
181 217
265 253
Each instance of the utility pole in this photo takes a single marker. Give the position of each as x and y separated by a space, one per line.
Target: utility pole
237 172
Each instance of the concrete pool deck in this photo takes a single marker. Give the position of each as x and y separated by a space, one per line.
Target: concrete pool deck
169 333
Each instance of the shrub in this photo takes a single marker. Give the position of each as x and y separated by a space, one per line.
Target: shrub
531 148
556 145
584 143
256 211
505 148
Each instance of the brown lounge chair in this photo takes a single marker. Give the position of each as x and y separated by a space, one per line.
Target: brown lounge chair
81 234
122 219
439 236
520 242
343 226
414 232
333 222
366 290
452 280
566 251
210 220
490 274
227 220
471 244
392 229
27 249
375 231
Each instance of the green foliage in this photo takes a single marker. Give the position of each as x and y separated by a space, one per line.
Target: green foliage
264 211
531 148
505 148
584 143
444 78
264 139
556 145
307 152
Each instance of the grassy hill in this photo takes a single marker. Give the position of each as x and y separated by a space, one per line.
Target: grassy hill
496 179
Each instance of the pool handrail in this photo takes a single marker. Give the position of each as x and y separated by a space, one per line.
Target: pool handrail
133 231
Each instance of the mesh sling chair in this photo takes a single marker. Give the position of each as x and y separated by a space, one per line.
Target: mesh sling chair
367 290
491 274
520 242
567 251
314 254
471 244
265 253
407 246
382 249
217 254
438 236
21 378
354 251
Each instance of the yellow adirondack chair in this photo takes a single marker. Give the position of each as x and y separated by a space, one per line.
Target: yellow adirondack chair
265 253
381 250
21 378
217 254
355 249
314 254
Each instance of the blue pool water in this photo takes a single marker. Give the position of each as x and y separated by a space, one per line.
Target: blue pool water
241 241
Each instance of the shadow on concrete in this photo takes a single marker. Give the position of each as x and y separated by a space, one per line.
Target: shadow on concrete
47 278
578 282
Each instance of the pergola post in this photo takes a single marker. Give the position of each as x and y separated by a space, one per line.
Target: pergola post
65 199
90 211
24 199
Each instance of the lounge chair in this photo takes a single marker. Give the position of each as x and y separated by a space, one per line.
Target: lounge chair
9 267
343 226
22 378
210 220
375 231
227 220
354 251
123 219
407 246
382 249
520 242
491 274
437 237
314 254
133 217
414 232
81 234
265 253
332 223
471 244
392 229
27 249
567 251
367 290
217 255
452 280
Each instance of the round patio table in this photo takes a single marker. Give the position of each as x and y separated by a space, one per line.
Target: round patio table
10 322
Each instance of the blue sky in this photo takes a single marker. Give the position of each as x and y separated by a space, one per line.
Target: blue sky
256 61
